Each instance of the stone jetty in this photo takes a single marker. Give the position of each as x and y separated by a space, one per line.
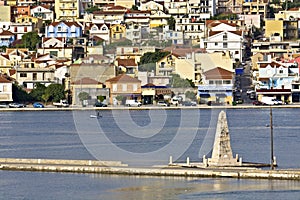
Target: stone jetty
102 167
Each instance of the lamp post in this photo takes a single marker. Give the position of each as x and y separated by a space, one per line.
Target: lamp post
271 132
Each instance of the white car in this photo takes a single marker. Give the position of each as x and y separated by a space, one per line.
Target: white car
162 103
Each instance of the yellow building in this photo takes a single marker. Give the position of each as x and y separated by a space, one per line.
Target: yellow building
273 27
5 14
37 22
117 32
166 65
256 7
67 10
11 3
125 3
5 64
159 19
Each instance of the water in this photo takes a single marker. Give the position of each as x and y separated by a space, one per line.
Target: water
53 135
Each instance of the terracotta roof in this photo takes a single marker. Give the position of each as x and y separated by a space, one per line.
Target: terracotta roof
214 23
5 56
69 24
211 33
86 81
273 64
6 33
12 72
123 78
45 39
126 62
181 52
218 73
3 80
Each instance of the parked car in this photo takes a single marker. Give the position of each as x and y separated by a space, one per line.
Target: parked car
189 103
38 105
132 102
163 103
257 103
100 104
16 105
3 105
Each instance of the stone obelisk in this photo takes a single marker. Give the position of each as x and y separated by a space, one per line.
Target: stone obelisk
222 152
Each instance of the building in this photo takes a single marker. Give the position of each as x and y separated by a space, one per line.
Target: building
217 86
67 10
5 90
64 29
123 87
43 12
117 32
6 38
94 88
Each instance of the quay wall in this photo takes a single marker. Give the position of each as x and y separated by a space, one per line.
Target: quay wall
61 162
148 108
81 167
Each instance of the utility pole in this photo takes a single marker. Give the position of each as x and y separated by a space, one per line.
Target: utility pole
271 130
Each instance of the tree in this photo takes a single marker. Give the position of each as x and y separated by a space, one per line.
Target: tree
92 9
55 92
30 40
171 23
191 95
83 96
148 60
178 82
20 95
38 92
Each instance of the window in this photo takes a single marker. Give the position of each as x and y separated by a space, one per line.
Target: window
134 87
115 87
124 87
216 44
225 45
211 82
280 71
225 37
23 75
227 82
59 28
218 82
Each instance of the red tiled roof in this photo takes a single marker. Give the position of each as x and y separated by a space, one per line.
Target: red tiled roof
273 64
3 80
69 24
123 78
218 73
6 33
12 72
126 62
86 81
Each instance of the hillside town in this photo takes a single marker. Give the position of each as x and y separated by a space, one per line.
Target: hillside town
111 51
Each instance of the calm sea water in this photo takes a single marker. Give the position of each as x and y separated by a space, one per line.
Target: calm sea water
54 134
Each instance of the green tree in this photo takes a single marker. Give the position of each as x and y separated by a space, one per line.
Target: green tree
92 9
191 95
83 96
55 92
20 95
30 40
151 57
38 92
171 23
178 82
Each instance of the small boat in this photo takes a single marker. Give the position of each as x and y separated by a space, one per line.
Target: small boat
96 116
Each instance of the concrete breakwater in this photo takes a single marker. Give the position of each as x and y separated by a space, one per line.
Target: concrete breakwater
113 167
